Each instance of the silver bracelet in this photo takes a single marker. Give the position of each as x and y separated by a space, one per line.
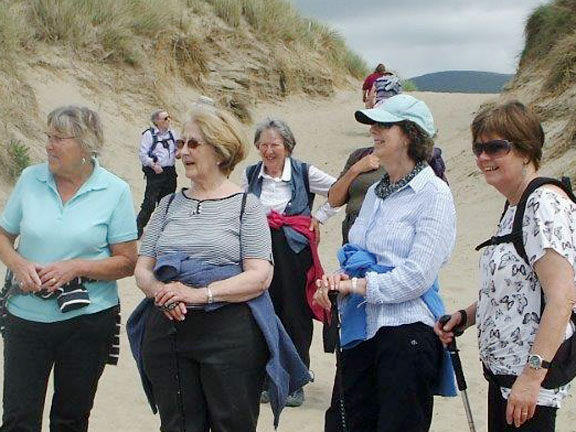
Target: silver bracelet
209 295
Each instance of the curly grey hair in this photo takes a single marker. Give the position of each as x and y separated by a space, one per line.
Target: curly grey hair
280 127
80 122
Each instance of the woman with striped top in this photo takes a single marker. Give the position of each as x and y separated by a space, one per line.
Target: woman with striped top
203 350
392 362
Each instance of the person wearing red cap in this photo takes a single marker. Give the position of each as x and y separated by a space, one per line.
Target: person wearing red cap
369 81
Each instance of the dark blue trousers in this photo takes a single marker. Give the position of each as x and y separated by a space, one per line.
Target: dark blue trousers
207 371
388 381
77 350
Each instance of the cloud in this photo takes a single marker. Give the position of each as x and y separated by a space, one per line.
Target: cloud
421 36
330 10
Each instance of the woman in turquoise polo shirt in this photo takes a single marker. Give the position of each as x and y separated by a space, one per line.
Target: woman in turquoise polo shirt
76 233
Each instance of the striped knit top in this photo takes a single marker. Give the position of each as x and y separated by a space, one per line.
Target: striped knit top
210 230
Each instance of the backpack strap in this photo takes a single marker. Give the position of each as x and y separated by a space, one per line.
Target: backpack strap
568 186
170 199
154 144
165 143
172 196
242 208
311 196
516 236
518 239
243 205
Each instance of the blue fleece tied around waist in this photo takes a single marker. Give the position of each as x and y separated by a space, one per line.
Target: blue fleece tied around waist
356 262
286 371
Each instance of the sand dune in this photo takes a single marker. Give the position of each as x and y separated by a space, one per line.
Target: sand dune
326 133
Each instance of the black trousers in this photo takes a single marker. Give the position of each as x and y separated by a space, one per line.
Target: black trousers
157 187
544 419
77 349
207 371
288 293
388 381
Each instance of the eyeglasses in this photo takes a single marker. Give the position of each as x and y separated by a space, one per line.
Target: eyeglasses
166 118
192 143
494 148
56 138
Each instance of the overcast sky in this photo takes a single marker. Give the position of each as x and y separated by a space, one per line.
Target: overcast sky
415 37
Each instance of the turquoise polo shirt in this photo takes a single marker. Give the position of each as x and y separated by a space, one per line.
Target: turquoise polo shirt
98 215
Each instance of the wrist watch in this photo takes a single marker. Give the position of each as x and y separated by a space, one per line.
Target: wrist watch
537 362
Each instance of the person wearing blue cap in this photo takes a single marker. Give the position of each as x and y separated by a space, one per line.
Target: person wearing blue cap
392 362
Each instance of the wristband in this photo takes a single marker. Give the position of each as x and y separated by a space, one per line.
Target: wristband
210 297
463 318
354 285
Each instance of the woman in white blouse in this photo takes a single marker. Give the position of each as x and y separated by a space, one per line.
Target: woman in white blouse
518 334
404 233
286 188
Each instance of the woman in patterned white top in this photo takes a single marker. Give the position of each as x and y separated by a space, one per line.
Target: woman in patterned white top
518 335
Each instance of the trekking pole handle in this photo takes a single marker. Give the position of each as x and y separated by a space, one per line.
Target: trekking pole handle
458 330
333 296
334 314
454 356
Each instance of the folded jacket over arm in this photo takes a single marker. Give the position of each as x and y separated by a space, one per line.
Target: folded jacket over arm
285 370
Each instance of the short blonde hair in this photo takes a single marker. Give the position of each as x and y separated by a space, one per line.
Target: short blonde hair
79 122
223 132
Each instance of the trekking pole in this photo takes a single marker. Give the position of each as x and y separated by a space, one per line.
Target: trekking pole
335 320
457 364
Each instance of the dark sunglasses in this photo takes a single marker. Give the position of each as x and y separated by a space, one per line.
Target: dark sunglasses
192 143
494 148
166 118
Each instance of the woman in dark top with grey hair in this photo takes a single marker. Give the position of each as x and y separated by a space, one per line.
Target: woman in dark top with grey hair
286 188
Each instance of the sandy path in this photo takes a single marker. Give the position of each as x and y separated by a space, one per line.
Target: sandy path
326 133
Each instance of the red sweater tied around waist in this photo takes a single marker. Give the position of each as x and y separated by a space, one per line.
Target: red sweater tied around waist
301 224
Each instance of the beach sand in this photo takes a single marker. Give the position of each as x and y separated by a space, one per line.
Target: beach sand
326 133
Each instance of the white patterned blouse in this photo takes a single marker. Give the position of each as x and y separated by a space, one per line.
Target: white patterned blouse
508 312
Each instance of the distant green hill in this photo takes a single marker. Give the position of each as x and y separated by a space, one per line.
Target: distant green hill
462 82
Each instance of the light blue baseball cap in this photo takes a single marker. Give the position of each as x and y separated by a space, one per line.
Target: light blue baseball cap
398 108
